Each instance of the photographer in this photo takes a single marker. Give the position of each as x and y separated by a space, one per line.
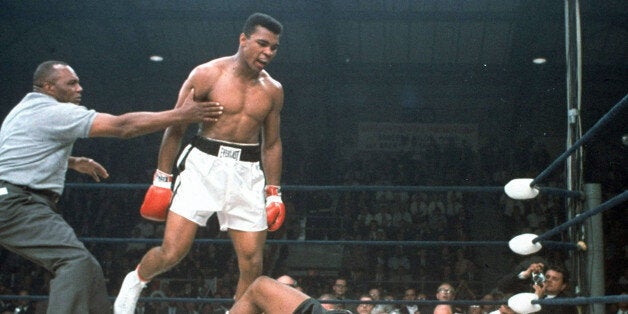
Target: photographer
551 282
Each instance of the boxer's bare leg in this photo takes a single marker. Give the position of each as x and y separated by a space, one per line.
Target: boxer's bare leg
249 248
178 239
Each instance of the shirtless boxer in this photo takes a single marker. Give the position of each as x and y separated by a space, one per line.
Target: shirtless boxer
220 170
269 296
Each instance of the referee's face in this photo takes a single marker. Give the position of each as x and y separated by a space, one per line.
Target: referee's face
65 87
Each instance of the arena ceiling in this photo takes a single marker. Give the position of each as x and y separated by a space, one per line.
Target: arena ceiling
447 41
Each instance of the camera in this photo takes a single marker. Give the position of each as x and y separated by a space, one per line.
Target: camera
538 278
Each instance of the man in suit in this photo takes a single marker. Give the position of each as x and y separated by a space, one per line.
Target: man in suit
555 284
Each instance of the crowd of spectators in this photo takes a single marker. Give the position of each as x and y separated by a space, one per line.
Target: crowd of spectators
362 215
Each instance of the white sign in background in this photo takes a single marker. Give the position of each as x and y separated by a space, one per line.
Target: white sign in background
413 137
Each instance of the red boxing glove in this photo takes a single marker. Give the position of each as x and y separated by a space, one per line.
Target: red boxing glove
275 209
158 196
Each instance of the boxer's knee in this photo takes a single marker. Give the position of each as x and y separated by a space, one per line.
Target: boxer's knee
252 255
170 256
251 263
252 258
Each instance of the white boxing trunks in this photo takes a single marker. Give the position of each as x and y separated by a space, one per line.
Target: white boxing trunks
223 178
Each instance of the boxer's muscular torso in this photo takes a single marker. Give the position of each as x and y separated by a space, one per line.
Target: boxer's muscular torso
247 103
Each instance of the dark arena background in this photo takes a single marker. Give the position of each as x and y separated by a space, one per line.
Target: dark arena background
400 118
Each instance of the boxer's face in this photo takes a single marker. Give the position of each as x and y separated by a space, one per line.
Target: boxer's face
260 48
65 86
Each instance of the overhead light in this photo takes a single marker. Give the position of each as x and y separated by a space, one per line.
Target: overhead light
540 60
156 58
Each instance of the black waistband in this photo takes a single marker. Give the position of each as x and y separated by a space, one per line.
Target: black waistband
250 153
49 194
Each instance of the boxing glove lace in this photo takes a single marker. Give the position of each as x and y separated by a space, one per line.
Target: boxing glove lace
157 198
275 209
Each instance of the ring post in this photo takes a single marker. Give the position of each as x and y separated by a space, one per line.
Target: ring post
595 256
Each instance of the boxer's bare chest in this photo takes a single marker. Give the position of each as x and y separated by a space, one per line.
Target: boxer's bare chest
246 105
